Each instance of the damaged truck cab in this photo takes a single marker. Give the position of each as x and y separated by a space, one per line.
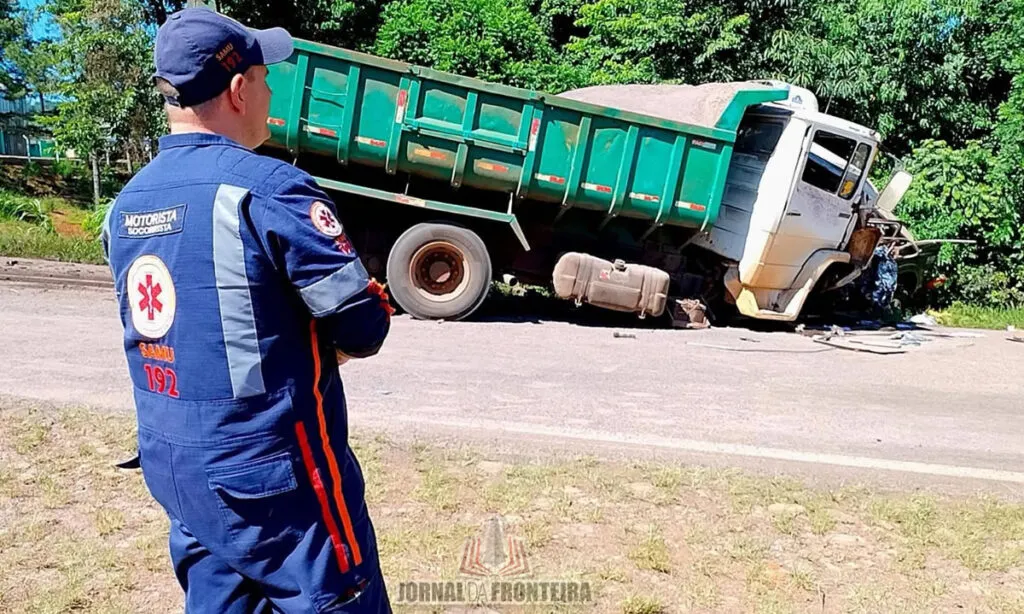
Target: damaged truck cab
792 205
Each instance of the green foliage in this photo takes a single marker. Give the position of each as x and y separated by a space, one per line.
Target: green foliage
11 29
93 223
494 40
20 239
23 209
30 65
973 316
957 193
104 61
66 169
345 23
913 70
646 41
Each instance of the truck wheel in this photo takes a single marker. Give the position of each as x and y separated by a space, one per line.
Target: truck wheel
439 271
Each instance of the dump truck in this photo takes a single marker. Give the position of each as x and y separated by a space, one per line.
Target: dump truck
741 195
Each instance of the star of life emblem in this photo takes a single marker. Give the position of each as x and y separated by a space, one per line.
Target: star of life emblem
324 219
151 298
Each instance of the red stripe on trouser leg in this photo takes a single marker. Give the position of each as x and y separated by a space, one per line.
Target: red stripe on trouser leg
332 461
321 495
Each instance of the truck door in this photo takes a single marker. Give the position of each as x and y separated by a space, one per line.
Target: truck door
820 212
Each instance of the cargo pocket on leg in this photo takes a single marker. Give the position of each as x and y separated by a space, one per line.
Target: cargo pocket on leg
257 501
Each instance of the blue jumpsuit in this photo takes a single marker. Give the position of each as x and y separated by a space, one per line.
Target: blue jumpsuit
236 286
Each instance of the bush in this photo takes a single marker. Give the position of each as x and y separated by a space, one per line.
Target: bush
960 194
67 169
987 285
22 208
33 169
93 224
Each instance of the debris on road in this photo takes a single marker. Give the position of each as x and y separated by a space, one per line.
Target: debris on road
768 350
837 337
1015 335
689 313
858 345
619 335
922 319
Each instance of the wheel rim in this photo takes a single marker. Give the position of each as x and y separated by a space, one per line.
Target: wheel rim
439 271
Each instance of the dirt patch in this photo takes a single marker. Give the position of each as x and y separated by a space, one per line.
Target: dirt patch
78 535
67 224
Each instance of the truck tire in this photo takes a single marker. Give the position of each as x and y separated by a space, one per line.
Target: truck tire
439 271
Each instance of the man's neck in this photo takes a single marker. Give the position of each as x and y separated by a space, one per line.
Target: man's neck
192 127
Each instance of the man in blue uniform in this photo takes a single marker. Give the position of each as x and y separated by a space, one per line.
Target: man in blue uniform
239 292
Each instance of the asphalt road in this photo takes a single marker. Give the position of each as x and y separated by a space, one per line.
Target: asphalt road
948 415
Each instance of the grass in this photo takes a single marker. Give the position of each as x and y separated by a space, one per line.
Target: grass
77 535
652 552
25 240
969 316
22 208
50 228
983 535
639 604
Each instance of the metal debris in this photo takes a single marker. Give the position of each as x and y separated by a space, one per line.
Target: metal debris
1015 335
858 346
730 348
689 313
923 319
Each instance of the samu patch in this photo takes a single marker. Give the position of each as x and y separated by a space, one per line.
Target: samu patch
151 223
324 219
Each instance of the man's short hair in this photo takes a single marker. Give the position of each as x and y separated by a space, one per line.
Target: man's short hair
170 94
164 87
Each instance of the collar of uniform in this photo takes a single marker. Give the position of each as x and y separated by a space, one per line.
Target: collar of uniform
196 139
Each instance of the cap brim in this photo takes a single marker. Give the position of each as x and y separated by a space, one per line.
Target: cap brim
276 44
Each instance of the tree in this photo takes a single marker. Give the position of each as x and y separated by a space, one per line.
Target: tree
156 11
915 70
30 60
103 60
344 23
958 193
11 28
495 40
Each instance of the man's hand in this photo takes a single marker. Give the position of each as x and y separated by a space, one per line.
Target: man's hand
377 288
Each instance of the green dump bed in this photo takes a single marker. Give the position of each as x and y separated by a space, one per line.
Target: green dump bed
366 110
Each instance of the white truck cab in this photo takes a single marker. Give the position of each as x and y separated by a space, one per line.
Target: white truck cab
791 205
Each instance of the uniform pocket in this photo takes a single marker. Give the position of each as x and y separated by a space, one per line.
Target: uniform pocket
258 502
155 459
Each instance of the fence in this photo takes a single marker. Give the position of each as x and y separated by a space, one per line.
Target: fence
18 145
16 137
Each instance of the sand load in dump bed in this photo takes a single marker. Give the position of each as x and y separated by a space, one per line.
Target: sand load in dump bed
698 105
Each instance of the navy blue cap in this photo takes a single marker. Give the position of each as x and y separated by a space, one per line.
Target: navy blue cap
198 51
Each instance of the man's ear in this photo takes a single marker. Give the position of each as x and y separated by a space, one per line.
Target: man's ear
237 93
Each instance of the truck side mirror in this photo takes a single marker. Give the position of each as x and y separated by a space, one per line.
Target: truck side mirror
894 191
